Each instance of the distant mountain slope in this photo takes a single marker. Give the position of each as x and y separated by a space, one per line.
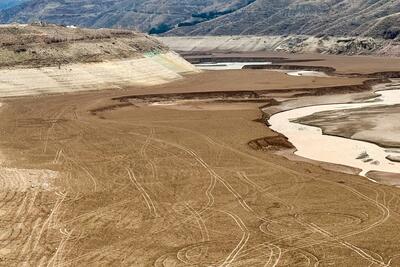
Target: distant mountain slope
146 15
4 4
376 18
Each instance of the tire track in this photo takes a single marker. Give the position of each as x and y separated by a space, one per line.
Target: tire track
145 195
146 157
352 247
239 247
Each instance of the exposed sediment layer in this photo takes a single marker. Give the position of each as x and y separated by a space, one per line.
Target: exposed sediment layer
290 44
327 70
42 59
145 71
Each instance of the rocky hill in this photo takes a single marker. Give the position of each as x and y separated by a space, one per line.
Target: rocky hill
377 18
40 59
46 45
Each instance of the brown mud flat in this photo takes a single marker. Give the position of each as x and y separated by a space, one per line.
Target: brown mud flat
327 70
143 185
342 64
275 60
286 63
194 95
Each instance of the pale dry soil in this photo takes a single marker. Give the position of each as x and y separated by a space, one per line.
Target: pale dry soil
147 185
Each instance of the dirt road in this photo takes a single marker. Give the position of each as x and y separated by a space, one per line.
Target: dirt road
142 185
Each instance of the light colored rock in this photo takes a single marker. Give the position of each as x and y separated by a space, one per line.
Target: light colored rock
152 69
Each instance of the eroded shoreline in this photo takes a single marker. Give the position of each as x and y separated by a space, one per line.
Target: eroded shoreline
172 101
310 142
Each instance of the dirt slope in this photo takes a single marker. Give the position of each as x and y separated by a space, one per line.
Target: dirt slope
39 45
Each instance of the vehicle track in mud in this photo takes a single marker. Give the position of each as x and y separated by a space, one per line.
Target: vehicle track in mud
146 185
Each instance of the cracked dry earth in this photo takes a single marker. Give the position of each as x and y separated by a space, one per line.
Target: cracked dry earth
154 186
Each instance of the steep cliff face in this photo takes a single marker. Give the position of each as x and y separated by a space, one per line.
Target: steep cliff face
374 18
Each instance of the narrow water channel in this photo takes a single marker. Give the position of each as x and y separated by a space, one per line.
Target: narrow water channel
311 143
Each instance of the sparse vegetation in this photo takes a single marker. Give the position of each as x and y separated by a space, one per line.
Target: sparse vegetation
160 29
45 45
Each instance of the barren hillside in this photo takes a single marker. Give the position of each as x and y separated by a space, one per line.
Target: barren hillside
44 45
148 15
37 59
4 4
378 18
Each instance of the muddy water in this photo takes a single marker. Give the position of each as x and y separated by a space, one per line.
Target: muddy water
312 144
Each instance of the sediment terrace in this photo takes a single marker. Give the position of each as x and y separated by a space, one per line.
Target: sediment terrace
116 74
